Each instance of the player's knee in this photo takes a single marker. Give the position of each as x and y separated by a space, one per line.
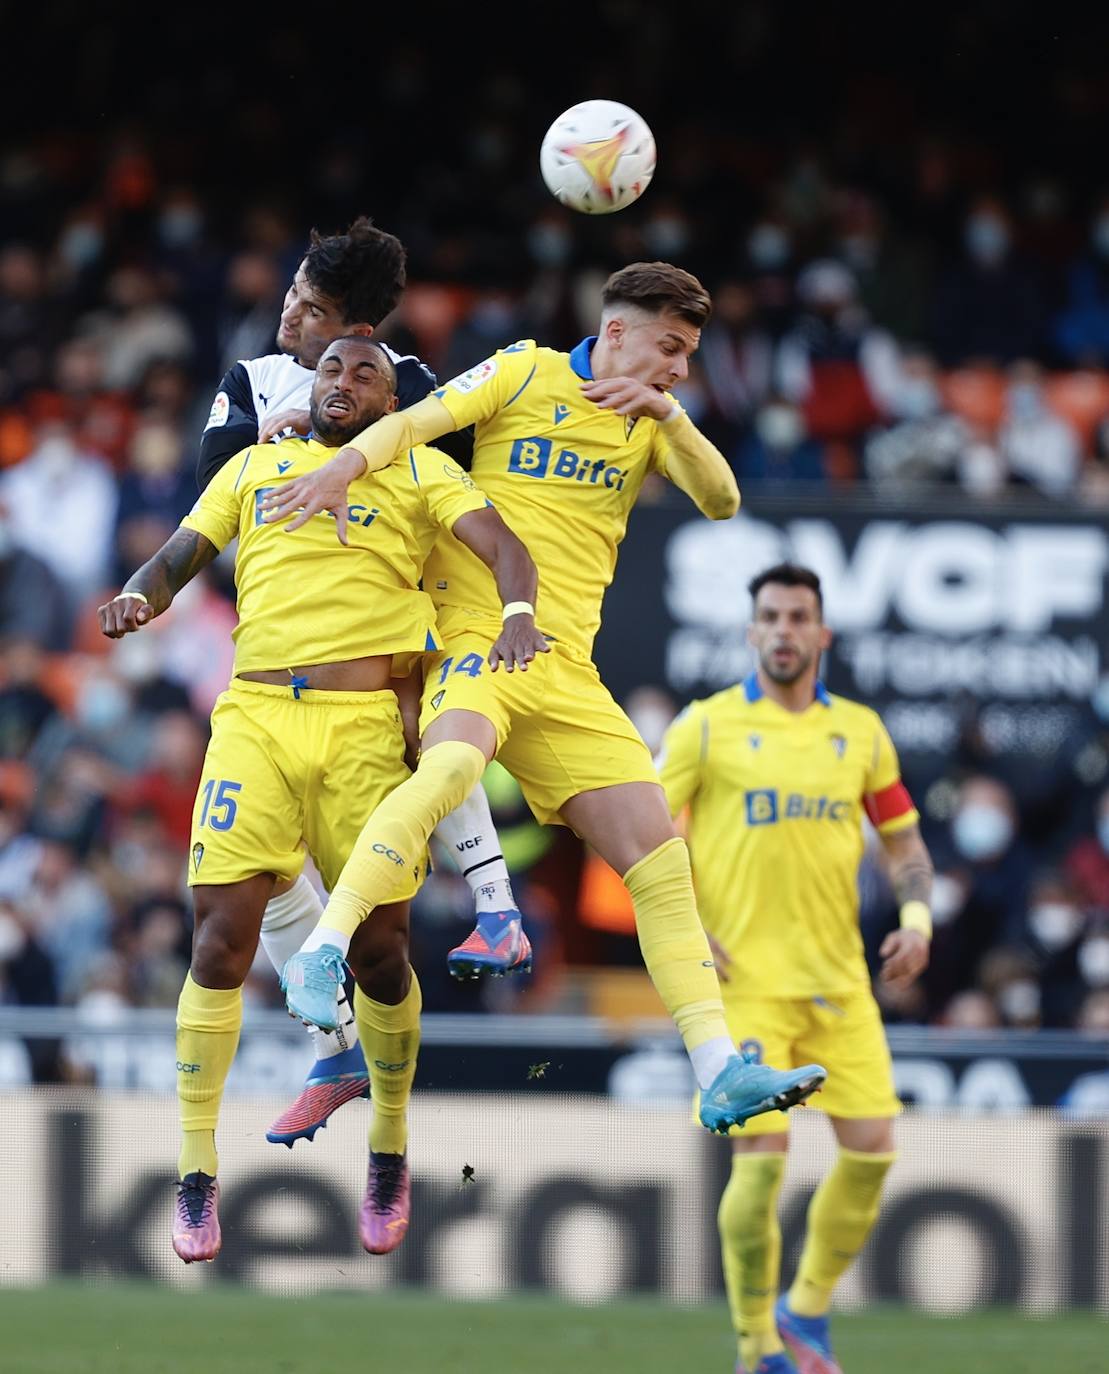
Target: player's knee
386 979
222 954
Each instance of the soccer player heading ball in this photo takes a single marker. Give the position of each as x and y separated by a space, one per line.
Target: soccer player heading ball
563 443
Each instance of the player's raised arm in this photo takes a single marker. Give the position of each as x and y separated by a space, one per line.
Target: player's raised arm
485 534
373 449
695 464
151 590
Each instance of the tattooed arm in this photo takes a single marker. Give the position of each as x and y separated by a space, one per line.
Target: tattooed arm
150 591
904 952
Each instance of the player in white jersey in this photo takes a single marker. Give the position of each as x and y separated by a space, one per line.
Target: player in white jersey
346 284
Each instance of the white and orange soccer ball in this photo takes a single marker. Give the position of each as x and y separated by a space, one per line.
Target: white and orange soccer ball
598 156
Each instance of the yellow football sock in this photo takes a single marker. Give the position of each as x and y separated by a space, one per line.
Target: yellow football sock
208 1022
673 943
395 837
390 1039
751 1248
842 1211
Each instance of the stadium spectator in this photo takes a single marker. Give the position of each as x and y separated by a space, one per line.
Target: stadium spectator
1039 448
983 871
737 358
838 368
989 306
59 489
927 443
1081 330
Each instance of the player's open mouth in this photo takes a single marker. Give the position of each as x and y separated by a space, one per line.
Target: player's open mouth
337 405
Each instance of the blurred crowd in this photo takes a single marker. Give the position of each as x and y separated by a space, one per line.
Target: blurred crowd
898 306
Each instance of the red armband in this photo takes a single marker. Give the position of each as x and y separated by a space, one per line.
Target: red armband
890 804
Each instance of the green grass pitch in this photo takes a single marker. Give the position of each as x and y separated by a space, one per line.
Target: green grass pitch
122 1329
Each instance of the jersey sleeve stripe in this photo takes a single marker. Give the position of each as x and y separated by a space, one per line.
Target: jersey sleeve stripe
246 459
522 389
891 804
415 474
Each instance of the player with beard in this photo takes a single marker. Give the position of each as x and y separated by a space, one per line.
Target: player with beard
778 774
307 740
346 285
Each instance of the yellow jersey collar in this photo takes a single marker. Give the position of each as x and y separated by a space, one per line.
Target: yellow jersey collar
753 690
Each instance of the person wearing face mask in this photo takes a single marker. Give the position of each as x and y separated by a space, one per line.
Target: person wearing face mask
927 441
989 304
33 604
778 447
1054 926
982 854
1038 446
835 365
1081 330
1087 861
59 487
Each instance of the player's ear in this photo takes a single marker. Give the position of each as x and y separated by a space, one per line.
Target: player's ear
825 638
392 404
751 634
364 330
614 332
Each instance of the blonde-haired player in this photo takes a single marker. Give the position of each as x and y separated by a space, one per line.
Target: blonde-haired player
563 442
777 774
307 740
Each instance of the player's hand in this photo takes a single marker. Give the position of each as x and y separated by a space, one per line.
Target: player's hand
299 421
721 958
904 956
517 644
324 489
626 396
123 615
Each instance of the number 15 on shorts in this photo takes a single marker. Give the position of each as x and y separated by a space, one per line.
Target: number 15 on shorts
220 807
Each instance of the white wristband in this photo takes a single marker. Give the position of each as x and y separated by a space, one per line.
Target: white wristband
138 596
517 608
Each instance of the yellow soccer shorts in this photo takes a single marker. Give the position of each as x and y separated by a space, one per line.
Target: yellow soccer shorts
559 731
844 1033
280 769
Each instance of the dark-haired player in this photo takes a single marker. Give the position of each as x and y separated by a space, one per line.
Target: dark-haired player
777 774
346 284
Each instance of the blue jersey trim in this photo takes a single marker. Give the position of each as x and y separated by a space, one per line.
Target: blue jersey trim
431 644
581 360
415 474
753 690
519 393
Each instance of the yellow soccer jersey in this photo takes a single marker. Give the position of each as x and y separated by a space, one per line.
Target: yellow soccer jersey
305 598
776 802
562 472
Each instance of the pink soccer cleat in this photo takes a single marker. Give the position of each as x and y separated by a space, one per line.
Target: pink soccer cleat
196 1233
496 945
330 1085
383 1218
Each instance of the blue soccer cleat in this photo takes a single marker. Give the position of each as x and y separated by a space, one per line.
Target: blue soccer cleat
330 1084
312 983
496 945
743 1089
778 1363
807 1340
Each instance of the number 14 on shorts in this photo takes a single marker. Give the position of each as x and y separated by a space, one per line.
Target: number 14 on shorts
471 665
220 807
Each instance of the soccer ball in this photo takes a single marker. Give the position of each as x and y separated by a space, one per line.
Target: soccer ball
597 157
